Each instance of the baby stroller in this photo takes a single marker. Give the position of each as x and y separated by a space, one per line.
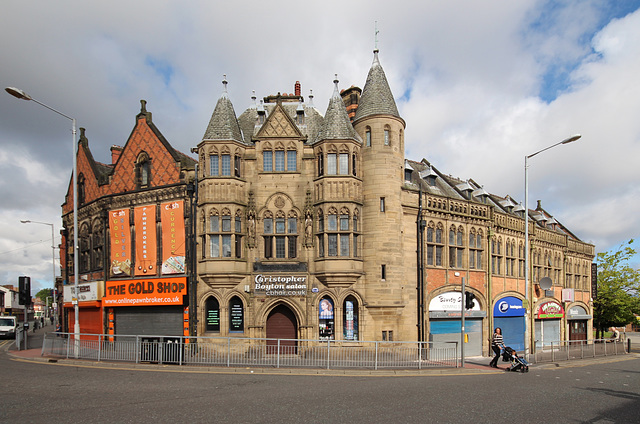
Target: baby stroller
517 363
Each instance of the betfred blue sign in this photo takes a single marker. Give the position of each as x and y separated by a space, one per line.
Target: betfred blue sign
508 307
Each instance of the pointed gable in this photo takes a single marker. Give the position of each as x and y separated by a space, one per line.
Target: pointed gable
376 98
337 125
93 175
279 125
166 163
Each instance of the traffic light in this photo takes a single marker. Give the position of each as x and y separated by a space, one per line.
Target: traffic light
468 300
24 291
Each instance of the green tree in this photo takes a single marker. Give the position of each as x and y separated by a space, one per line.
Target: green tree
618 297
44 293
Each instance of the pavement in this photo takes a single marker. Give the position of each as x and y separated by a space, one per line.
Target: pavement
473 365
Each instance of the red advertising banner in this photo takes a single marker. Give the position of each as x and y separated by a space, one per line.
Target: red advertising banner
173 237
145 292
144 218
120 242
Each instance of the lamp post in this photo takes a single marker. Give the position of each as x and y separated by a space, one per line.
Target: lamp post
53 260
526 235
20 94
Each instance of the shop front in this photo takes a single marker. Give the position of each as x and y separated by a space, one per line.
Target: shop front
577 319
153 307
281 327
509 315
548 316
90 314
445 323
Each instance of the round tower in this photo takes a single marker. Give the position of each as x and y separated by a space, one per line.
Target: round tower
381 128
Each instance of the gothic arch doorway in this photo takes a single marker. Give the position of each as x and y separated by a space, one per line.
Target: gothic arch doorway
282 327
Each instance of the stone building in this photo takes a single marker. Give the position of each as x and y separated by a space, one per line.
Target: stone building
134 220
316 227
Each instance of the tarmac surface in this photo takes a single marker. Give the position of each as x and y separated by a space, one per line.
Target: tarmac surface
473 365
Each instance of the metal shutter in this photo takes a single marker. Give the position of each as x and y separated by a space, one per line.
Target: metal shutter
149 320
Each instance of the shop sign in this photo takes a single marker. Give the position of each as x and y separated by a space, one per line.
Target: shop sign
550 310
509 307
86 292
156 291
450 301
280 285
578 313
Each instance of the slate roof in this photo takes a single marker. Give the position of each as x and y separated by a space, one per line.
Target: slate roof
312 120
337 125
376 96
223 124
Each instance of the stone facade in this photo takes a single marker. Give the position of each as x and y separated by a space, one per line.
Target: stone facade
329 205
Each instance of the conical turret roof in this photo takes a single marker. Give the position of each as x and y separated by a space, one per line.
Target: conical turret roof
337 125
223 124
376 96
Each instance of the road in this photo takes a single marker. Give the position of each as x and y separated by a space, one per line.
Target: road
605 391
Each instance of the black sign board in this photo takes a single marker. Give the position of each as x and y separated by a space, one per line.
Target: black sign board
594 281
236 316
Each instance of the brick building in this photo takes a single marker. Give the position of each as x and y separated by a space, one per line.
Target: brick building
134 220
313 226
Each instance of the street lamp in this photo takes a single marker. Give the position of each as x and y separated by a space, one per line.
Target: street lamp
53 260
20 94
526 230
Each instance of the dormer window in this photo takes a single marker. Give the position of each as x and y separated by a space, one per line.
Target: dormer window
408 171
262 115
300 114
429 175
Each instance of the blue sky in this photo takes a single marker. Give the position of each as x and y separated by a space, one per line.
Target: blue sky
478 90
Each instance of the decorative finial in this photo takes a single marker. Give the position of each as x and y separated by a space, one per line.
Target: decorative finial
143 106
310 97
224 82
376 37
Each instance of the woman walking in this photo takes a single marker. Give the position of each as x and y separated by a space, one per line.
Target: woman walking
496 343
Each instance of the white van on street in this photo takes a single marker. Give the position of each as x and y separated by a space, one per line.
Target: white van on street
8 326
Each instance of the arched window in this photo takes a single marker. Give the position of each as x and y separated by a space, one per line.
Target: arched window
97 245
326 319
368 137
350 318
143 170
320 234
387 135
236 315
434 244
85 248
456 249
320 163
212 315
81 189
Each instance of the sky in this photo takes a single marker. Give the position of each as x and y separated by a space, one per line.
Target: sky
480 84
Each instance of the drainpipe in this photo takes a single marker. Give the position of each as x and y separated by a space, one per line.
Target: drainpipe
489 284
420 223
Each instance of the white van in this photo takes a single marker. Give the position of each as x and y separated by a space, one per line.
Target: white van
8 325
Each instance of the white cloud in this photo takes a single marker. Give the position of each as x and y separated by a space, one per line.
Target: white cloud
467 84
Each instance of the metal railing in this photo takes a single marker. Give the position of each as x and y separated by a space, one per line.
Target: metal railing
246 352
578 349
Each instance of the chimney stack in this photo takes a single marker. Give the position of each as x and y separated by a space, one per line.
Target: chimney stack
116 151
